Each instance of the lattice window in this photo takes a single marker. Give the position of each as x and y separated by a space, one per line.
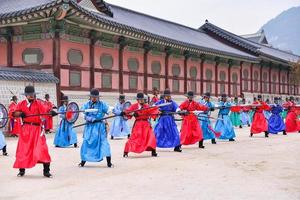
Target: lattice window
106 61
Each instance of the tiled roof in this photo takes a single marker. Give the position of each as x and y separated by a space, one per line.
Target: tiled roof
157 28
165 30
16 74
13 8
254 47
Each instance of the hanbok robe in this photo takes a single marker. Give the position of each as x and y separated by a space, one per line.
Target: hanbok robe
276 123
259 123
119 126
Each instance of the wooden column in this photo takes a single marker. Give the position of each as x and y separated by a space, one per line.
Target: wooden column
122 44
241 77
147 49
186 59
279 81
202 74
288 81
261 79
168 54
251 77
56 61
92 60
9 50
270 79
217 60
229 76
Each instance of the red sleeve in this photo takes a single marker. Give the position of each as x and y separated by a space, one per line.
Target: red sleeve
201 107
184 105
42 108
19 106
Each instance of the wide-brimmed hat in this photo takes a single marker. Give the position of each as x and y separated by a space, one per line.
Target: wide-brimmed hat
224 96
47 96
64 99
29 90
140 96
167 92
276 98
206 94
292 98
121 97
94 93
259 96
190 94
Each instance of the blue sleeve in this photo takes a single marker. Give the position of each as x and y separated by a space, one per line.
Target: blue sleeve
175 106
61 109
117 109
84 107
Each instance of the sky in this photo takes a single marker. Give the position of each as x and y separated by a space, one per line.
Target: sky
237 16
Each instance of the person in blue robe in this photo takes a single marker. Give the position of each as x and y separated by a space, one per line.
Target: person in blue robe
235 117
119 127
223 124
208 133
166 132
245 114
65 135
95 145
276 123
3 144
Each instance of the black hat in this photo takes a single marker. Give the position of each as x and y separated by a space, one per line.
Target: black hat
259 96
122 97
292 98
206 94
140 96
236 98
65 98
276 98
190 94
224 95
29 90
14 98
94 93
167 92
47 96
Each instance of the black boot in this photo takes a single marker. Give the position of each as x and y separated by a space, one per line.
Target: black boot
153 153
4 151
231 140
75 145
109 164
178 148
248 125
201 144
241 126
125 154
81 164
46 171
213 141
266 134
21 172
111 137
128 136
284 132
251 134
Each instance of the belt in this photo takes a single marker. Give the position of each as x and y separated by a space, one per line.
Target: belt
32 123
141 120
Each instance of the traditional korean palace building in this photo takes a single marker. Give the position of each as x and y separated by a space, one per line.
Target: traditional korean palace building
72 46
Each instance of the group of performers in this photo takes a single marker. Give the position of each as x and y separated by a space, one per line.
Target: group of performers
154 126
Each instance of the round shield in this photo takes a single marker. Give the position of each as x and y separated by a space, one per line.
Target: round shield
72 112
3 116
125 107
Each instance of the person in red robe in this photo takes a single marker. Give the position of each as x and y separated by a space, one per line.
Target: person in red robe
142 137
48 119
259 123
191 132
291 121
14 125
32 147
155 97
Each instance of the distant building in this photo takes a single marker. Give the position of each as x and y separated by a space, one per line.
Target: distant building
90 43
258 37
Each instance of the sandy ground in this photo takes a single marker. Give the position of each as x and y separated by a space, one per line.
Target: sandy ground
250 168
